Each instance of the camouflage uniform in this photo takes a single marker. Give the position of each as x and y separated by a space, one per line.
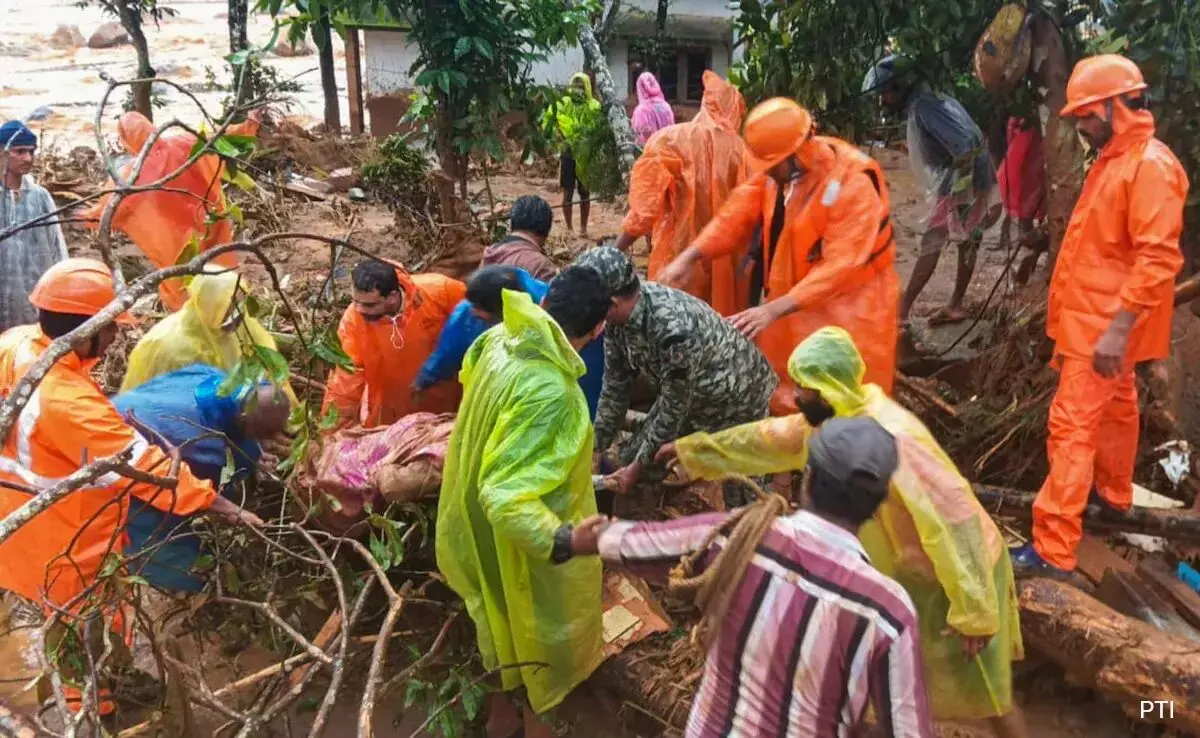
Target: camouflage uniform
709 377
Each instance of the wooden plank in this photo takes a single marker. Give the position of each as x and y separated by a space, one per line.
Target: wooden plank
330 630
354 87
1095 558
1185 600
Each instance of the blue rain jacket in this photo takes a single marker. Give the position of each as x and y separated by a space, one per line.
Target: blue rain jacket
463 327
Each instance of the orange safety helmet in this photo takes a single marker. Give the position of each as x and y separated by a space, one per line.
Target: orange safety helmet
775 130
77 286
1100 78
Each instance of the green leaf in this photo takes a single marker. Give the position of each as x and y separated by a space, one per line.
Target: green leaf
484 48
274 362
190 250
235 212
136 579
233 582
379 552
462 47
229 470
413 692
472 701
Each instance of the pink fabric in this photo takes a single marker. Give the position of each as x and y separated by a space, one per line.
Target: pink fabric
1022 173
351 457
653 113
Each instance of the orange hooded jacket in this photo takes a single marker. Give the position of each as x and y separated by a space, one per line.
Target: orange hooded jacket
388 354
68 423
1121 248
161 223
680 182
835 256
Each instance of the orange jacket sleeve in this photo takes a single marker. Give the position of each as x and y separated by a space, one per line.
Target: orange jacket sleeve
97 431
1156 202
449 293
344 390
731 228
649 182
847 243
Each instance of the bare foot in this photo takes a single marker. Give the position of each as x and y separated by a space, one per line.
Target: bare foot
948 315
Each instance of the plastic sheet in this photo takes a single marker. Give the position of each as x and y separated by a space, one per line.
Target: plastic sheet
680 182
518 468
162 223
195 335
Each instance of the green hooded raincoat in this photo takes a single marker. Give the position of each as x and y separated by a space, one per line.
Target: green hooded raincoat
518 468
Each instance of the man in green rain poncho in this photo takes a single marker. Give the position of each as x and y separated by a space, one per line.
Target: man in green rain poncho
572 117
931 534
517 476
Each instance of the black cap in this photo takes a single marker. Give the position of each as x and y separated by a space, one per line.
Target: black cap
856 451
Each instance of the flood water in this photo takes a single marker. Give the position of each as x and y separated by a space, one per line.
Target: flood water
64 85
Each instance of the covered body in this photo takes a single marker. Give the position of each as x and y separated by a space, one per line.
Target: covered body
518 468
388 354
834 255
930 534
59 553
653 113
681 180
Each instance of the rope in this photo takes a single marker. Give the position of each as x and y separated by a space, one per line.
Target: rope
712 589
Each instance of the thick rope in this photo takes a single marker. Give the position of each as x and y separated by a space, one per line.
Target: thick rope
712 590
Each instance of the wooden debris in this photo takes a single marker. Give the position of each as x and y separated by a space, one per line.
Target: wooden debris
1185 600
1125 659
927 396
331 628
1178 525
1126 593
1096 559
1187 290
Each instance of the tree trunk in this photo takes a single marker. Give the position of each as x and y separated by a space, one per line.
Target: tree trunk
324 40
1060 148
607 23
239 19
1176 525
131 20
660 19
1124 659
614 108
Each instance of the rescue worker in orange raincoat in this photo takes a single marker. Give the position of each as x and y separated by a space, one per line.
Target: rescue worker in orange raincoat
682 178
828 252
161 223
1111 304
54 558
388 333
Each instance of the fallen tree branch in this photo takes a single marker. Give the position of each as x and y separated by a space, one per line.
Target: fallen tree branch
1178 525
1187 290
1123 658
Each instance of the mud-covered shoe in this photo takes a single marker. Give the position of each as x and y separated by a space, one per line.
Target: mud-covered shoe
1027 562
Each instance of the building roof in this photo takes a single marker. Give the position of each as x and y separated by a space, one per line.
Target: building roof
680 27
382 20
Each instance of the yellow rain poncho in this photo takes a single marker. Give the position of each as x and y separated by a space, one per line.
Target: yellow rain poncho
518 468
931 534
195 335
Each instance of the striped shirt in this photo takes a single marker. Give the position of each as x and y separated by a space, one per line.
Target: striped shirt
812 634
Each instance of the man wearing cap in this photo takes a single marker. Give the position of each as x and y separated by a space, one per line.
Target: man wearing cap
708 376
799 612
1111 304
930 534
25 252
827 254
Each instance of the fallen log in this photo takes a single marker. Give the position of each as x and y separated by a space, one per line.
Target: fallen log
1178 525
1125 659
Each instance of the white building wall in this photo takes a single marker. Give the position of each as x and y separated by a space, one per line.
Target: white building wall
387 58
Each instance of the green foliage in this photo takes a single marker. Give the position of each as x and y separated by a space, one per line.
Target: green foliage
818 51
453 704
1161 36
398 176
596 154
